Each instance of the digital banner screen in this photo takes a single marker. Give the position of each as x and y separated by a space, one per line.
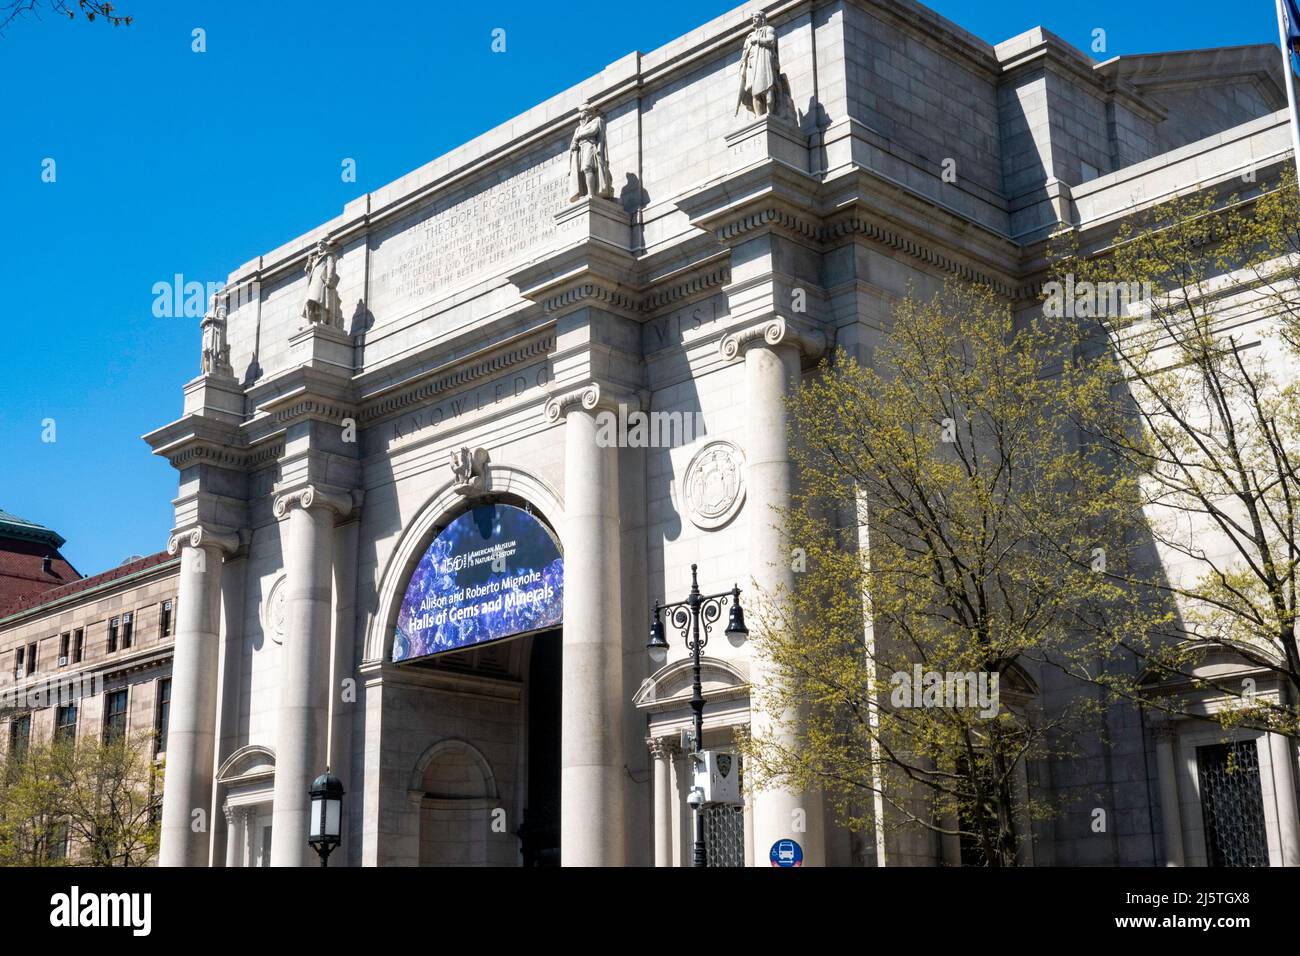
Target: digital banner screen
494 572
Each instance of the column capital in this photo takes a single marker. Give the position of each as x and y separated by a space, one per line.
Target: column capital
197 536
663 748
812 342
312 496
590 397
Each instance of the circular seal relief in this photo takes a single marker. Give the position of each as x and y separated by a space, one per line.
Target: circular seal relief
715 484
273 612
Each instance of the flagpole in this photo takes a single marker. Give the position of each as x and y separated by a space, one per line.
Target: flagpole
1287 79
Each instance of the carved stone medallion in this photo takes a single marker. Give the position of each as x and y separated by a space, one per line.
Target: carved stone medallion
273 612
714 485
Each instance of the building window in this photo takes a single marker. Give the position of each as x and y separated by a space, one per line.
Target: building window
58 842
31 658
165 619
65 723
20 734
1232 804
164 713
78 645
114 715
112 635
127 628
19 668
65 642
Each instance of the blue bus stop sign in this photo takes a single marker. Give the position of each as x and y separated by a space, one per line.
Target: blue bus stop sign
786 853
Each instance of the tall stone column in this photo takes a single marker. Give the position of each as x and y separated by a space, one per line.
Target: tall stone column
304 665
192 729
1171 818
663 752
772 351
591 744
1281 755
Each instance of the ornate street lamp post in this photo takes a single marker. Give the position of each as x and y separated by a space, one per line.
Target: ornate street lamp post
326 823
693 618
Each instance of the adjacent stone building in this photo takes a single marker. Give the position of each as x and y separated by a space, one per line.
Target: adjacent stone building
663 238
90 657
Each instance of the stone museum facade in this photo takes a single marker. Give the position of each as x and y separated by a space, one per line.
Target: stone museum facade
668 246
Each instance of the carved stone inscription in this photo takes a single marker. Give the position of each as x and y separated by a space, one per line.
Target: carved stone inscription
462 239
511 387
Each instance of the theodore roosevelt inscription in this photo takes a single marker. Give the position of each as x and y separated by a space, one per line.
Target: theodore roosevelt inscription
460 238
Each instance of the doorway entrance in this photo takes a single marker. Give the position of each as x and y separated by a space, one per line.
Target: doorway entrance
539 834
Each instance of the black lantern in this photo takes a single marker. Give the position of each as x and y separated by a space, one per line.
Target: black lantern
736 631
658 645
326 825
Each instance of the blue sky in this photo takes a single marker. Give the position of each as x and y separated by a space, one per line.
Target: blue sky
169 161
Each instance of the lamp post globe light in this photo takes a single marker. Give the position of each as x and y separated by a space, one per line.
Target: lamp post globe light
693 619
326 815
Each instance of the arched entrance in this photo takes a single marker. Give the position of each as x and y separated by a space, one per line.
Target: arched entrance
472 677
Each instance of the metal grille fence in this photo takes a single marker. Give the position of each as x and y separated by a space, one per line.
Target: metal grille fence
724 835
1232 804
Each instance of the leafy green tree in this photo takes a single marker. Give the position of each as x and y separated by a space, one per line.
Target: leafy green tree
31 825
109 795
1201 425
89 803
929 483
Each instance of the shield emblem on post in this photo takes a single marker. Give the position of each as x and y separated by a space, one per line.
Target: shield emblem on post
724 764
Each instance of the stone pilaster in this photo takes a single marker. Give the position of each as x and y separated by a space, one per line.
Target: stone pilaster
192 731
591 746
300 750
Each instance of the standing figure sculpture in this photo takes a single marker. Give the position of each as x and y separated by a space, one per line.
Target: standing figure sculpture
322 306
215 358
760 70
589 157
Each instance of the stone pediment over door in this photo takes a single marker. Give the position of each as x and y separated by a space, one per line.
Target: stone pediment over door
670 687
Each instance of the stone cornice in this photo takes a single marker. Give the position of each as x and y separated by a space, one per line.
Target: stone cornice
605 295
670 294
343 504
811 341
930 255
